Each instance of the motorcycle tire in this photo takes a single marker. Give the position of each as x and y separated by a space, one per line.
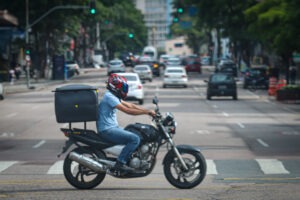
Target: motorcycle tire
179 177
79 176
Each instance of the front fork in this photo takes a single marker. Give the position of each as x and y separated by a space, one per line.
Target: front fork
174 148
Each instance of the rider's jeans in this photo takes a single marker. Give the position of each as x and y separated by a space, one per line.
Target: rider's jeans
120 136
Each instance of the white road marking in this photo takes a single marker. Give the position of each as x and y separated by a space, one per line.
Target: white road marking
203 132
241 125
260 141
211 167
6 164
272 166
39 144
156 90
225 114
290 133
35 107
56 168
11 115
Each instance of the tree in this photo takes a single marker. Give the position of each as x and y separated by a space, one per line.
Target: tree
276 24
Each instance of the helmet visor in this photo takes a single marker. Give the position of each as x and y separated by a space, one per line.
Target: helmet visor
125 87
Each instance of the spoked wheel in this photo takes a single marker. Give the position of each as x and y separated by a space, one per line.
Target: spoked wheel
82 177
181 178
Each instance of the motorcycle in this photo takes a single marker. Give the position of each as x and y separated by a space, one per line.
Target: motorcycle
86 166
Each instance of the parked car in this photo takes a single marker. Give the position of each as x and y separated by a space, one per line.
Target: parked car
220 84
73 66
227 67
192 63
115 66
135 87
257 77
144 72
175 76
1 92
152 63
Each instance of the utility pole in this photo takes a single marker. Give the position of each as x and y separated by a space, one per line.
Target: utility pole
28 59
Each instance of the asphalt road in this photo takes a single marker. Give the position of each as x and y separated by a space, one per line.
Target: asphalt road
251 145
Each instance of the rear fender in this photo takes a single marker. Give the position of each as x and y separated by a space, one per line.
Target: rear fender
182 149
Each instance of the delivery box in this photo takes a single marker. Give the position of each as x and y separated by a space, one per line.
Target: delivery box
76 103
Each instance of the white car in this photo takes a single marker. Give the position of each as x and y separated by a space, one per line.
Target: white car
115 66
173 61
175 76
136 89
144 72
1 92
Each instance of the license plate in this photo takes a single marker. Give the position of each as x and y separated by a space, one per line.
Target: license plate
222 87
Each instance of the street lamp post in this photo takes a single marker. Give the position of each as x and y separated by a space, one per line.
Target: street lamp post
26 46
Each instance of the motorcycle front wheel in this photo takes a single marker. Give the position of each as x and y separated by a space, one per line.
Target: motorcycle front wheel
80 176
181 178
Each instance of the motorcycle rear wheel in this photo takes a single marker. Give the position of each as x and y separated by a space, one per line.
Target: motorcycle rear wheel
79 176
185 179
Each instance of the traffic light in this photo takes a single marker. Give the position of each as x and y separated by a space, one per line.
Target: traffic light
27 51
130 35
180 10
175 19
92 7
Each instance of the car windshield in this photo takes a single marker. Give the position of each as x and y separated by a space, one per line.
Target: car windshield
257 72
115 63
174 71
221 78
142 68
130 78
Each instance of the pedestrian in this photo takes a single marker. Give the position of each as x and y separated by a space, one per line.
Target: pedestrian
293 74
107 124
18 71
11 76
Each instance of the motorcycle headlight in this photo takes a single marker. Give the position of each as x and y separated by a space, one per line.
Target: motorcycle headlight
168 120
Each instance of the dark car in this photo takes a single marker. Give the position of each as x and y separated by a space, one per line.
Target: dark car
220 84
152 63
227 67
256 77
192 64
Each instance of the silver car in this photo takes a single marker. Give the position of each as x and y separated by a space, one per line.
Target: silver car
144 72
115 66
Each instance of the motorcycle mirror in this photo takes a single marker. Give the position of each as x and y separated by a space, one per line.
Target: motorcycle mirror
155 100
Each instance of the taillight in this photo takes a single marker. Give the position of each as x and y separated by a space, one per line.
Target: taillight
140 87
166 76
183 76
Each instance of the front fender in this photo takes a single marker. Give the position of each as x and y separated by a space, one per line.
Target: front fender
182 149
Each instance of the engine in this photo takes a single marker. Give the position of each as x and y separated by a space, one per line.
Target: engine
143 156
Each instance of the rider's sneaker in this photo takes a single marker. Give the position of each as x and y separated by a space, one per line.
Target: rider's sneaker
122 167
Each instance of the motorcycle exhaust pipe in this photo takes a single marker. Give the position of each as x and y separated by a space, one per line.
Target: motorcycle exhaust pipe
87 162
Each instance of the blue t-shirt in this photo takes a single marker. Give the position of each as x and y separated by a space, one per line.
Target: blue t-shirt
107 117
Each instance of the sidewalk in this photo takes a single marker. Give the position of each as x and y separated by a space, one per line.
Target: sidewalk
21 84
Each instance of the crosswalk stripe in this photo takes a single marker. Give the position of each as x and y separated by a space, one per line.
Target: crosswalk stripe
211 167
56 168
272 166
6 164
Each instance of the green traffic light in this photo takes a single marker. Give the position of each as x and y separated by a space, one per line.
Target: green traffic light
27 51
175 19
130 35
180 10
93 11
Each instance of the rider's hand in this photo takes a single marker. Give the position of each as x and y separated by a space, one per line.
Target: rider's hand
151 113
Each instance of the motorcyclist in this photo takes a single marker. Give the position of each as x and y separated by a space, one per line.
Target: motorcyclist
107 124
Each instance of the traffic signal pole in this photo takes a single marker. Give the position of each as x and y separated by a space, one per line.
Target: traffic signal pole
28 26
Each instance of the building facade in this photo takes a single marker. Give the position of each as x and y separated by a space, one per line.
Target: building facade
157 17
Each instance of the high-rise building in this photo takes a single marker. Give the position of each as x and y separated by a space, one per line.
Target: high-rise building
157 17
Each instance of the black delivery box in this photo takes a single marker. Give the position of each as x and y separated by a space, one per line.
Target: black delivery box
76 103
